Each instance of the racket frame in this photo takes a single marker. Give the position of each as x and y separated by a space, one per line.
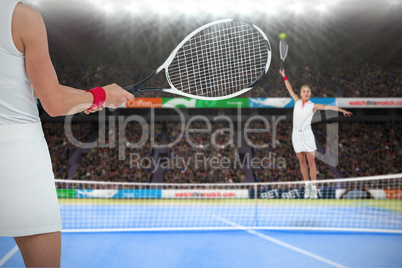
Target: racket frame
165 66
283 41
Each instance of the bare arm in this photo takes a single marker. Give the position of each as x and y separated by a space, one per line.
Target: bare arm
289 86
56 99
330 107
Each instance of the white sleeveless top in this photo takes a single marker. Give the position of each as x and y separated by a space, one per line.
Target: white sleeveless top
302 116
17 102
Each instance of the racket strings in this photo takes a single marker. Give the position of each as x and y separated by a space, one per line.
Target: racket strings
226 46
220 60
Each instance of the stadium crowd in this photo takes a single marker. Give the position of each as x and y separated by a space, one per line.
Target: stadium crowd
112 159
209 157
351 79
367 149
365 79
363 148
59 145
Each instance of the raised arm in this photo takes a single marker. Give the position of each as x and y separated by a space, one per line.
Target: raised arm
330 107
289 86
30 32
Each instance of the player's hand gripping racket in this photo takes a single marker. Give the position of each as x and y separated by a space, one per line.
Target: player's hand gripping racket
283 51
219 60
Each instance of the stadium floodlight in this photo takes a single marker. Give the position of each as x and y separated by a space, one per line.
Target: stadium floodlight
219 7
133 8
163 7
245 8
322 7
189 7
297 8
106 7
272 8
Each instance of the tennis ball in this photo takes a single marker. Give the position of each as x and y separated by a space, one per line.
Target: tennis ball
282 36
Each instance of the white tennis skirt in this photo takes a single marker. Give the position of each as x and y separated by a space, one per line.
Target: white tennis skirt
303 141
28 199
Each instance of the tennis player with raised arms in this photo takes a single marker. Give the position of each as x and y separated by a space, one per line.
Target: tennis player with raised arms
302 135
29 210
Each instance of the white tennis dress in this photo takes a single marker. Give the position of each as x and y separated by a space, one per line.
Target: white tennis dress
302 136
28 199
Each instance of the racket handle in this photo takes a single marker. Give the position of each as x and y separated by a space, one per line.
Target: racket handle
130 89
281 65
134 89
137 87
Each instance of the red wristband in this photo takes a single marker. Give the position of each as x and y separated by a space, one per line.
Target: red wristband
285 78
99 97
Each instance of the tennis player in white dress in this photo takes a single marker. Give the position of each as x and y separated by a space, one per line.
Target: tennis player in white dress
302 135
29 209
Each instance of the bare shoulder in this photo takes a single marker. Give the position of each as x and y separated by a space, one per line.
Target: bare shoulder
26 12
25 18
27 25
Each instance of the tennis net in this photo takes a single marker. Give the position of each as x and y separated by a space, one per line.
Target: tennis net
372 204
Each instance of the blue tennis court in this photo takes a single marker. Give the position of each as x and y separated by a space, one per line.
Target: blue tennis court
248 246
224 249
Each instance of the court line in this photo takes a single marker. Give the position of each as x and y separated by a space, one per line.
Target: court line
283 244
8 255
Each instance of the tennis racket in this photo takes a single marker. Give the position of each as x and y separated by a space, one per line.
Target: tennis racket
219 60
283 51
